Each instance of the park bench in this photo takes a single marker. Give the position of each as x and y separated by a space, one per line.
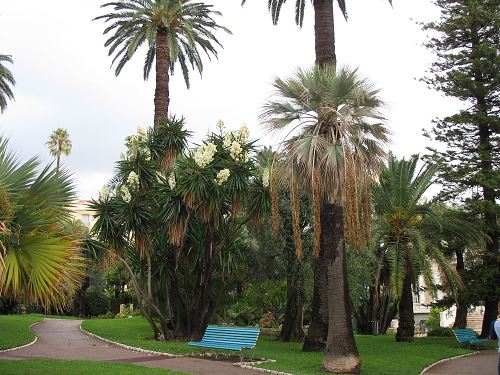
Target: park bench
468 337
230 338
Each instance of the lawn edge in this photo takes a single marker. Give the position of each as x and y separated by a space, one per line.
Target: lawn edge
24 345
134 348
446 360
244 365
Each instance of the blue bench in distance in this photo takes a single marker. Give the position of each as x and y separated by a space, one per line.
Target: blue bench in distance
468 336
230 338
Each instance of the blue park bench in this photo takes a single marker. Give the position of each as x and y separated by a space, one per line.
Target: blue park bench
230 338
468 337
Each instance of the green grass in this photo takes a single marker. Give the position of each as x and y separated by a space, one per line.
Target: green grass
15 330
380 354
57 367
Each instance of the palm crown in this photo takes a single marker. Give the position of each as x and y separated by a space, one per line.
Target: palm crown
175 31
6 80
59 144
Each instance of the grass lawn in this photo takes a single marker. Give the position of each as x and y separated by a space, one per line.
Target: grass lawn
56 367
15 330
380 354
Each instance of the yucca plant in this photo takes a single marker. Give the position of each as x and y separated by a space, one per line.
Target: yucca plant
176 220
39 263
175 31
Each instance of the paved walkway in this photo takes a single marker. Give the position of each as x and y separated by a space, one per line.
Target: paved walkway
62 339
484 363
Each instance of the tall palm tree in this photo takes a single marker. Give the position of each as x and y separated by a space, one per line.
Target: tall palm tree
324 32
336 141
6 80
405 230
324 24
175 31
39 263
59 144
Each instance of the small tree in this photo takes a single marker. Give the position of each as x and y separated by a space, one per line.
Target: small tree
59 144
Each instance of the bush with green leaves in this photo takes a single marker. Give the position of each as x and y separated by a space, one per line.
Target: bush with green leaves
440 332
96 302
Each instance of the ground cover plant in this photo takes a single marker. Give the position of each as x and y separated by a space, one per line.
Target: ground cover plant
15 330
381 354
57 367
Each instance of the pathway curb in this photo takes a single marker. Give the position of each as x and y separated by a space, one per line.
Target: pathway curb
25 345
244 365
129 347
446 360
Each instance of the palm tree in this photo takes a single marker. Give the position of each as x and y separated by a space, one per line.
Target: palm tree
405 231
174 30
59 144
324 24
324 32
6 80
39 263
336 143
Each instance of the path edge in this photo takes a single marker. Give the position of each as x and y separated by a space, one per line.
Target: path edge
135 349
446 360
244 365
25 345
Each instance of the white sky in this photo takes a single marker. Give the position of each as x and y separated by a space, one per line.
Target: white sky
64 78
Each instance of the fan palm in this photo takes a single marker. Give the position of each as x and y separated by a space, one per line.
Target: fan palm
6 80
335 143
38 262
404 230
175 31
59 144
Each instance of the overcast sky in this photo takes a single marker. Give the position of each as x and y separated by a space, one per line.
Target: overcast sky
64 78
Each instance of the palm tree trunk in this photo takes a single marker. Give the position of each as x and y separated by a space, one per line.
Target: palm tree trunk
461 314
162 98
406 328
317 333
294 311
324 32
58 161
341 354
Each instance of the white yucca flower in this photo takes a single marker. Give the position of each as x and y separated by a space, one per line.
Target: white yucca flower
220 125
171 181
265 177
204 155
123 156
125 193
243 133
104 193
235 150
133 181
222 176
228 139
444 243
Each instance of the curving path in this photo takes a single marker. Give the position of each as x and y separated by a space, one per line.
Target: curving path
484 363
62 339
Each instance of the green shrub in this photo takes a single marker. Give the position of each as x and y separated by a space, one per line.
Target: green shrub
440 332
96 303
434 320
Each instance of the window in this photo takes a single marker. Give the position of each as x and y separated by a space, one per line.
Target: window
86 219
